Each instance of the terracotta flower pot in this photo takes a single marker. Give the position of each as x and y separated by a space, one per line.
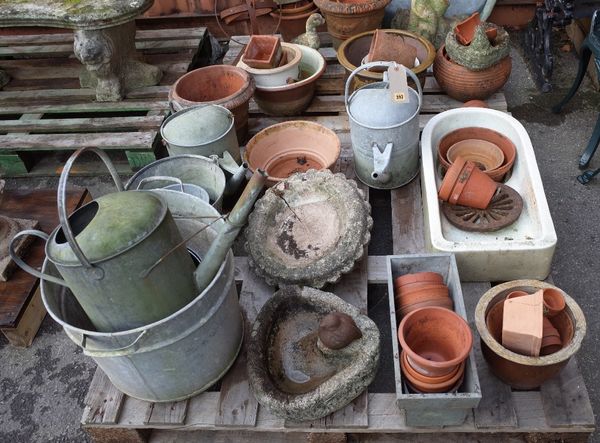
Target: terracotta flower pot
223 85
504 143
554 302
551 341
450 179
293 24
406 279
475 104
351 53
350 17
486 155
465 30
436 290
425 384
263 52
292 146
294 98
435 340
463 84
520 371
407 368
297 7
515 294
391 47
445 303
473 188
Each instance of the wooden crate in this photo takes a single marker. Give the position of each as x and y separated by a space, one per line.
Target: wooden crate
229 411
44 114
432 410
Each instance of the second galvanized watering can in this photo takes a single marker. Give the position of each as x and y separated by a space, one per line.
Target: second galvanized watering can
384 134
103 250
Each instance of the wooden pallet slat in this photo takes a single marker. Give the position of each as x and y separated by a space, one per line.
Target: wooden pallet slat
103 401
173 413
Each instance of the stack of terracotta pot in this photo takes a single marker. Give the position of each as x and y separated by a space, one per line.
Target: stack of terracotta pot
435 345
474 62
527 322
423 289
293 18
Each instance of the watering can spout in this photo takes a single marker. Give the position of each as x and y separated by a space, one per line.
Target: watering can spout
381 163
235 173
234 222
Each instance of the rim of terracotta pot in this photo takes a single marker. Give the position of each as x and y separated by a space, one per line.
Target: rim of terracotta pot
243 94
450 178
460 183
442 303
499 291
435 364
423 64
350 8
493 151
426 378
308 125
550 306
509 160
294 61
297 9
296 15
432 387
314 77
416 277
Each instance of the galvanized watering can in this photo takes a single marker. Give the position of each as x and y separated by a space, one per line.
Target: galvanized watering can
384 134
103 250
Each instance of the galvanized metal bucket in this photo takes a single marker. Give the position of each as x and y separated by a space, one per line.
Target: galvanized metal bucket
180 355
107 252
202 130
386 152
192 169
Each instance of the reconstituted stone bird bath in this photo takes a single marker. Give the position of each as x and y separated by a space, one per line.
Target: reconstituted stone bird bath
291 370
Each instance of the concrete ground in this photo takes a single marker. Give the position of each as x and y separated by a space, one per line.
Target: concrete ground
42 388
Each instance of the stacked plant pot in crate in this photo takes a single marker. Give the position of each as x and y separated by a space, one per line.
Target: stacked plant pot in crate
433 408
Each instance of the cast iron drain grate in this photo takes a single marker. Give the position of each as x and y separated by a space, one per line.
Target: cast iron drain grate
504 209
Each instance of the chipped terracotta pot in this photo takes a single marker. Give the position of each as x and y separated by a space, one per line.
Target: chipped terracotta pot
554 302
435 340
504 143
463 84
473 188
351 53
223 85
465 30
521 371
293 146
350 17
293 99
388 47
486 155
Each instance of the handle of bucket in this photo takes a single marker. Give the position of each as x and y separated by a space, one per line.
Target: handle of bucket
97 273
25 266
163 178
109 352
380 65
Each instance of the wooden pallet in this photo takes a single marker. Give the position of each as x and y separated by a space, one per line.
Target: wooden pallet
560 409
43 109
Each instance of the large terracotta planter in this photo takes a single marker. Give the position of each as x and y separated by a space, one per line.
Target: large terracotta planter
294 146
223 85
521 371
463 84
293 99
474 133
351 53
435 340
350 17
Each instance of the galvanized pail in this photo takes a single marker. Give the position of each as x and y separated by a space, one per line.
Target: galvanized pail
384 134
113 253
202 130
180 355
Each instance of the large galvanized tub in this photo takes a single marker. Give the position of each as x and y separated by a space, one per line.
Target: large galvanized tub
521 250
174 358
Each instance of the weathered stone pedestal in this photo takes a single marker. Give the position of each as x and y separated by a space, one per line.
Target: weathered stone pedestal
112 63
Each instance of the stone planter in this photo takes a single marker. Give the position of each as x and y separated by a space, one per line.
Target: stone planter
350 17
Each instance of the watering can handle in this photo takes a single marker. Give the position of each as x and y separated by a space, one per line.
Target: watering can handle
163 178
62 207
25 266
380 65
109 352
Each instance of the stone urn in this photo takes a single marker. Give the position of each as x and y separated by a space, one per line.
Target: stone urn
350 17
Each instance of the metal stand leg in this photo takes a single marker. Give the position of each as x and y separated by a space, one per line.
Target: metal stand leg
583 64
584 161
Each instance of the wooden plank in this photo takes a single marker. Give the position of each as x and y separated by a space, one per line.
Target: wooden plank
30 322
407 219
168 413
106 140
237 405
102 402
529 409
565 398
122 106
81 124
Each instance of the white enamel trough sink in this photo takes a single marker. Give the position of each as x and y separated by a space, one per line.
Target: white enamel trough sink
521 250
